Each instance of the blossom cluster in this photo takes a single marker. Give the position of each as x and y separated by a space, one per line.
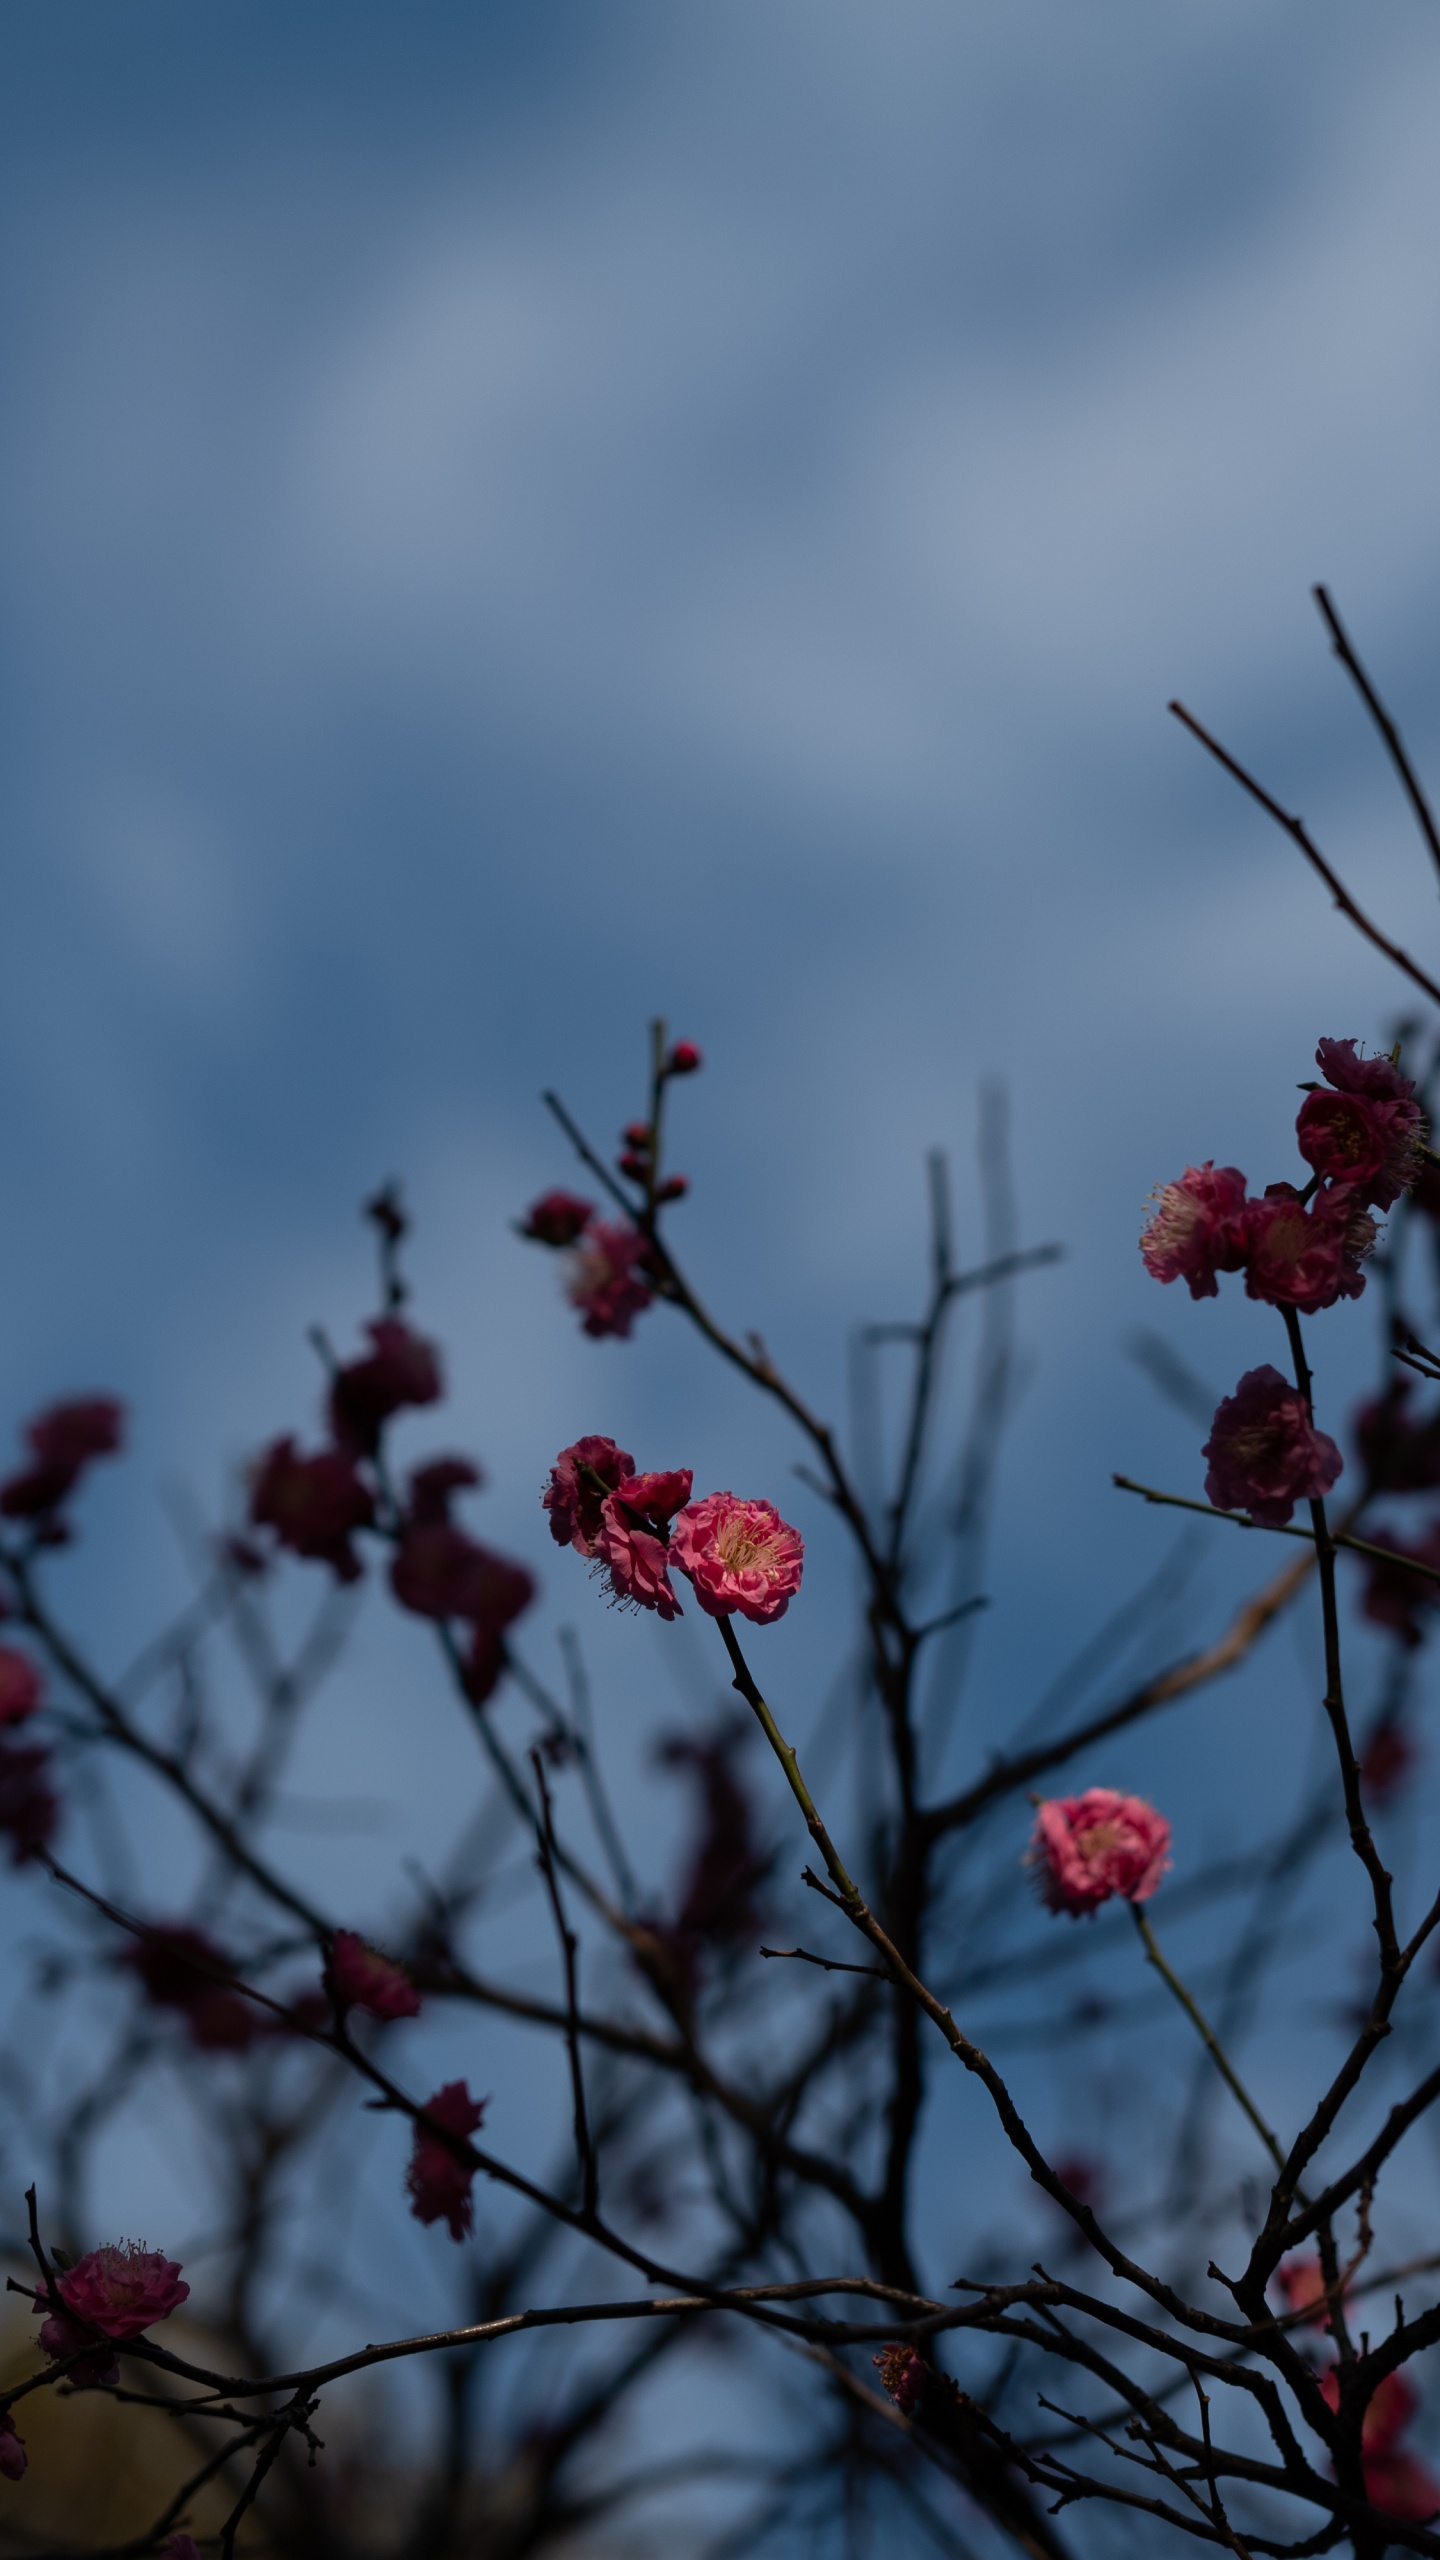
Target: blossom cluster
739 1556
612 1265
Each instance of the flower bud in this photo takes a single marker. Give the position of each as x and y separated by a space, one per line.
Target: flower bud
635 1166
675 1188
684 1058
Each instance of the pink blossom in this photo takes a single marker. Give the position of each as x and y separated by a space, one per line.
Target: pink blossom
438 2179
1365 1133
1197 1228
122 2291
739 1555
62 1441
604 1280
29 1808
400 1370
573 1496
684 1059
314 1505
12 2449
361 1978
1302 2281
1086 1848
631 1539
902 2375
1265 1453
1396 2480
181 1968
1306 1258
20 1686
557 1218
439 1571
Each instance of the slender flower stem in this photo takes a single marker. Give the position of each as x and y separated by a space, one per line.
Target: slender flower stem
1275 1528
1206 2034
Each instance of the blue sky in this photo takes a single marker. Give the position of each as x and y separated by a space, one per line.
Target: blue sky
514 519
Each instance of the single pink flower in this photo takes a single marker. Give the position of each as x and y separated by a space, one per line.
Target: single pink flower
604 1280
739 1555
399 1371
902 2376
1265 1453
314 1505
631 1539
557 1218
12 2450
62 1441
684 1059
1302 2281
580 1479
1306 1258
122 2291
1086 1848
438 2179
29 1807
1388 2411
181 1968
1197 1228
361 1978
20 1686
441 1572
1365 1133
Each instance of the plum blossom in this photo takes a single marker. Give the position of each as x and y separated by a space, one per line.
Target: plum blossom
631 1539
684 1059
313 1505
400 1370
1306 1258
580 1479
739 1556
1264 1451
440 1571
1396 2481
1086 1848
62 1442
119 2291
1364 1134
604 1281
1197 1228
178 1967
438 2179
361 1978
902 2376
557 1218
13 2457
20 1686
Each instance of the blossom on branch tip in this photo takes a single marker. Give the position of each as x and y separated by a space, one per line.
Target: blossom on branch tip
1306 1258
181 1968
13 2459
1264 1451
1197 1228
1364 1134
604 1282
314 1505
902 2377
684 1059
361 1978
400 1370
121 2291
439 2180
62 1441
1086 1848
20 1686
29 1807
739 1556
557 1218
580 1479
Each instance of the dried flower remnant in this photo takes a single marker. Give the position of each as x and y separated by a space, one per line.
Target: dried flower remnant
604 1282
1197 1228
29 1807
580 1479
361 1978
313 1505
1364 1134
439 2181
1085 1849
63 1441
902 2377
739 1556
183 1969
557 1218
400 1370
1264 1451
21 1689
1306 1258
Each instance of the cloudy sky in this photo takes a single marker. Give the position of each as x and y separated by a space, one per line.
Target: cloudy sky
516 518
